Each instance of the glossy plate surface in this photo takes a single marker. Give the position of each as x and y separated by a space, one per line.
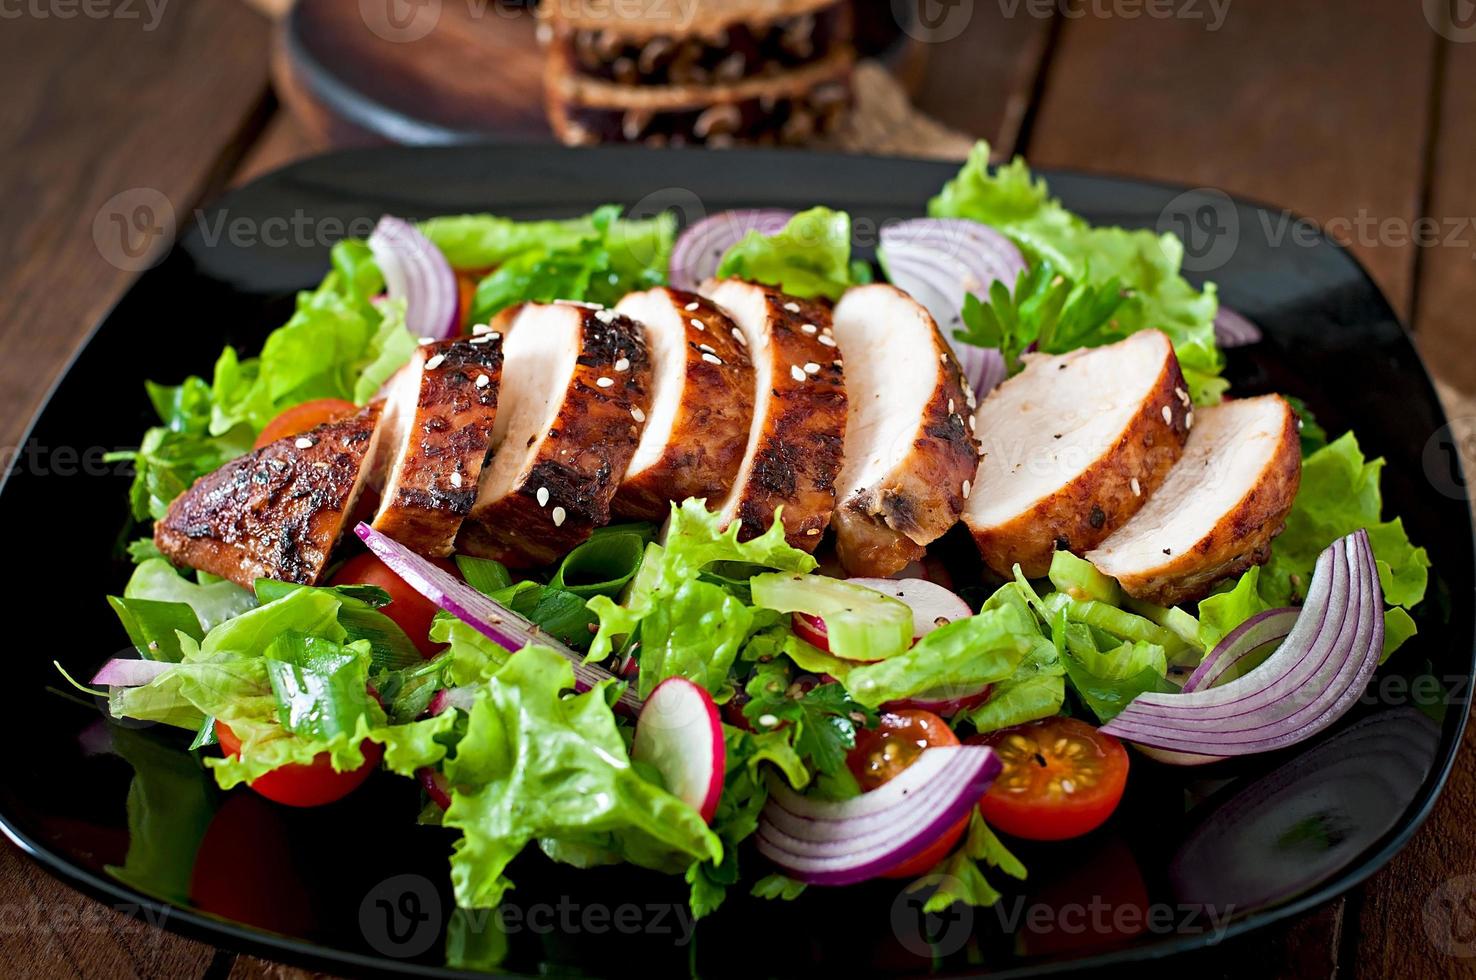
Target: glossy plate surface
126 813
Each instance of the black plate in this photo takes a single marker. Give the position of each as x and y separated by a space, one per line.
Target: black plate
359 887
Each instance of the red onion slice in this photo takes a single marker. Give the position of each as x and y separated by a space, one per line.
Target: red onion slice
700 248
937 261
829 843
1306 685
496 622
1256 633
1234 330
416 271
128 672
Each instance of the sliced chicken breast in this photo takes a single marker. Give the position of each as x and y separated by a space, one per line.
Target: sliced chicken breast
910 452
277 512
1072 446
574 398
797 440
439 418
1219 508
701 404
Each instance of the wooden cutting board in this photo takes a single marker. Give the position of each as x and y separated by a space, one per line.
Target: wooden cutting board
440 71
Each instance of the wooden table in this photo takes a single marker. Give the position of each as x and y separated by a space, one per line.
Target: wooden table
1356 114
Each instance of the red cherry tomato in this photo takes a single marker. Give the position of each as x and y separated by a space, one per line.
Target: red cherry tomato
884 752
408 608
305 784
300 418
1061 778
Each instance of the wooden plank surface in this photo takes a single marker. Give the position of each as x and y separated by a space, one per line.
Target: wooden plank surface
1417 917
152 110
1316 107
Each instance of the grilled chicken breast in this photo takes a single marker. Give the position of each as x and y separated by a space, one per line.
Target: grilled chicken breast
701 404
797 439
1072 447
1219 508
575 394
910 453
438 422
277 512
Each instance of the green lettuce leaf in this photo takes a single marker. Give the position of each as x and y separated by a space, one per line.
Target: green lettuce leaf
1012 200
809 256
212 602
966 653
535 765
1222 612
958 879
688 626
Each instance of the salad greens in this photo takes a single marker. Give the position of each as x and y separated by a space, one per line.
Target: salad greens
303 675
1091 260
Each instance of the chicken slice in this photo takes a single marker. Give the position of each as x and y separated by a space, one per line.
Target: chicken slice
797 439
1072 446
701 404
909 449
1218 510
574 397
276 512
438 424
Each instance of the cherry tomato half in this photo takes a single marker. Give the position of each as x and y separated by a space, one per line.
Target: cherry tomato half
300 418
305 784
812 630
409 609
884 752
1062 778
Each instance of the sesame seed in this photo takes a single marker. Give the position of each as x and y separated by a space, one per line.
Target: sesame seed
828 341
813 531
796 372
738 336
969 398
712 358
810 328
604 382
483 381
1137 488
481 328
426 340
812 368
542 496
710 350
836 362
1168 416
455 478
434 362
691 306
623 364
1189 420
967 487
792 307
1183 395
950 406
971 423
483 339
637 414
305 443
943 358
768 721
606 317
697 324
558 515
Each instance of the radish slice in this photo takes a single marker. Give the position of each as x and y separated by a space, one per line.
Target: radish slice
829 843
1314 677
945 704
1234 330
416 271
436 786
932 605
680 734
700 249
451 697
496 622
127 672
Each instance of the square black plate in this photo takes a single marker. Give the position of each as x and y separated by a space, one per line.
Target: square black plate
128 816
